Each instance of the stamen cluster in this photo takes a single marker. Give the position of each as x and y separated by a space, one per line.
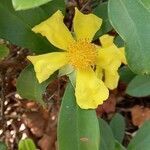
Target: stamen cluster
82 54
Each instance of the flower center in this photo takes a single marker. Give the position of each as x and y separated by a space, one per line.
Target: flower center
82 54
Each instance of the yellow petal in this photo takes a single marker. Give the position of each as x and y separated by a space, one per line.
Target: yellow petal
106 40
122 55
90 91
55 31
85 26
46 64
99 72
109 57
111 79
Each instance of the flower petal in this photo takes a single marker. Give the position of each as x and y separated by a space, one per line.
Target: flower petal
85 26
106 40
122 55
90 91
111 79
99 72
46 64
109 58
55 31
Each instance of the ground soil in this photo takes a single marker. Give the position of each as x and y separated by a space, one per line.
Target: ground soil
20 118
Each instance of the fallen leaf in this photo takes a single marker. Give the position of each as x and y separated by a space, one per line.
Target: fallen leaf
109 106
36 123
45 142
139 115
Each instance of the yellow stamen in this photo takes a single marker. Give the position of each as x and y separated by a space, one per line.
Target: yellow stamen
82 54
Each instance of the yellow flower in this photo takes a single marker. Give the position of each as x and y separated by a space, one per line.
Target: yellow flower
79 52
109 60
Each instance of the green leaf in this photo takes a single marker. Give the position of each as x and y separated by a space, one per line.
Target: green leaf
28 86
131 20
16 26
101 11
66 70
146 4
31 18
26 144
107 141
53 6
117 125
3 146
119 41
119 146
27 4
78 129
126 74
139 86
141 141
4 51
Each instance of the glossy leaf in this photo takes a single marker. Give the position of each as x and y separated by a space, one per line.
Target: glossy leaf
126 74
119 146
37 15
3 146
107 141
4 51
131 20
119 41
101 11
141 140
146 4
78 129
26 4
117 125
53 6
26 144
16 26
66 70
28 86
139 86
